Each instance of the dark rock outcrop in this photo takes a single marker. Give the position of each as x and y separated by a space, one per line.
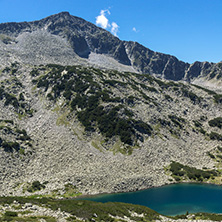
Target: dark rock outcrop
85 37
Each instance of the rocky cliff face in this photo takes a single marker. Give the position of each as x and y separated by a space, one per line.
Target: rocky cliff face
82 36
162 65
66 39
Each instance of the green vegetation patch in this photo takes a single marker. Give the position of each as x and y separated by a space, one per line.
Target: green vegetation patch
197 123
11 95
110 124
34 72
181 172
210 92
9 146
94 105
216 122
211 155
219 148
92 211
71 191
218 98
178 121
88 210
207 216
199 127
215 136
25 218
147 78
35 186
19 138
192 96
11 214
180 89
216 154
168 98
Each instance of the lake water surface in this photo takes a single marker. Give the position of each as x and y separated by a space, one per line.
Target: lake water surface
172 199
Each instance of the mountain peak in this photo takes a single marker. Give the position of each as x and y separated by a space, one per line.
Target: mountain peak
80 38
64 13
62 16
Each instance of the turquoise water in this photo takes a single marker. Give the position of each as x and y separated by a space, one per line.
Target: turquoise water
172 199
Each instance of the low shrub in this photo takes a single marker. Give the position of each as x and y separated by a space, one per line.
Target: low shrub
11 214
218 98
215 136
197 123
189 94
182 171
36 185
10 146
219 148
216 122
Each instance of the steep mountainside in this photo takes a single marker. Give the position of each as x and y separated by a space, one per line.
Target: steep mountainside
68 126
82 112
90 131
67 40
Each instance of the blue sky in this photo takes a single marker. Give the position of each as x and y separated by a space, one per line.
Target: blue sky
191 30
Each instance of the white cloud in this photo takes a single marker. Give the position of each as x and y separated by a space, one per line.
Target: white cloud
135 30
101 19
114 29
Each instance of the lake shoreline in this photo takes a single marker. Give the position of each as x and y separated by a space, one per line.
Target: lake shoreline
138 190
171 199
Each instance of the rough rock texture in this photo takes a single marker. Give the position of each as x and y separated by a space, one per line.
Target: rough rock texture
29 210
59 150
62 152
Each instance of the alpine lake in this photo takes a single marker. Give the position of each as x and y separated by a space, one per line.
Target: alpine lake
171 200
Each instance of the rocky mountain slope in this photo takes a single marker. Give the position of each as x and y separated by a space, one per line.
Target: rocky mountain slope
65 39
69 126
67 130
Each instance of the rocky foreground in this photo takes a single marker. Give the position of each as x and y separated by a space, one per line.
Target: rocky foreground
24 209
